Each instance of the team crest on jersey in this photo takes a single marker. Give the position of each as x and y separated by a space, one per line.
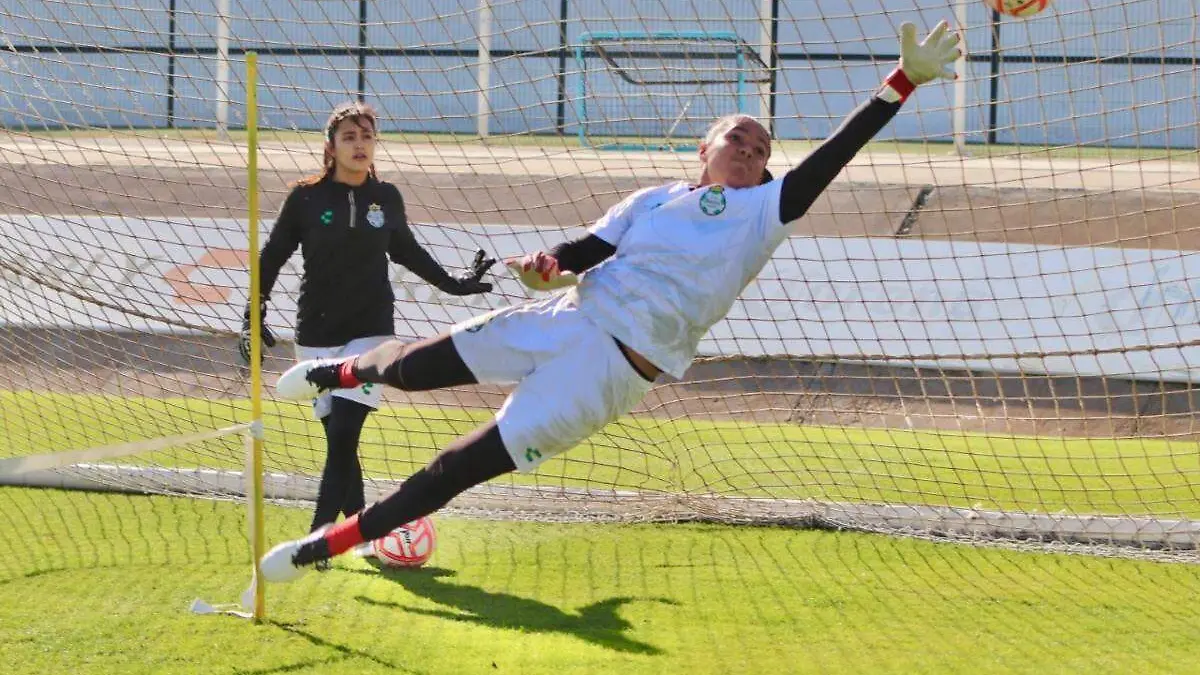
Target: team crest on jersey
375 216
712 202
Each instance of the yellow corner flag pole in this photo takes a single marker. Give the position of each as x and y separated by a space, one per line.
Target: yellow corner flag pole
255 439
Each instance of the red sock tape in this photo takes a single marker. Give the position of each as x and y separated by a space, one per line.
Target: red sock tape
346 378
344 536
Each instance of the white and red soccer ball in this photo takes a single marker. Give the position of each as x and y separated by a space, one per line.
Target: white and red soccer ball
1021 9
408 545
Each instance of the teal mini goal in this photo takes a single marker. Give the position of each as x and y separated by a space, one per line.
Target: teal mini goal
660 90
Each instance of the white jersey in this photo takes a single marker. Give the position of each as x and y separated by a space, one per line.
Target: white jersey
683 257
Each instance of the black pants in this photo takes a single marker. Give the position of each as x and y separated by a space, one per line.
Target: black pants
341 488
468 461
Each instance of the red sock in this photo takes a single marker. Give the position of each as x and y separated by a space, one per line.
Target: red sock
344 536
346 374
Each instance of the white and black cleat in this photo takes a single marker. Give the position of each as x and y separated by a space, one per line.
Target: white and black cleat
292 559
309 379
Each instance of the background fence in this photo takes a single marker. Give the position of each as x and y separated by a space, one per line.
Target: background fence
1109 72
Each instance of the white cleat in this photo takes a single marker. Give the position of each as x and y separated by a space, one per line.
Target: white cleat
278 565
364 550
295 384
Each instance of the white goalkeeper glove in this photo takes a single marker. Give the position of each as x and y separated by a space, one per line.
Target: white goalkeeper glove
539 271
929 60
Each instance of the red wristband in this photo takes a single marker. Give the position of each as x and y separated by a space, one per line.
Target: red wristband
898 82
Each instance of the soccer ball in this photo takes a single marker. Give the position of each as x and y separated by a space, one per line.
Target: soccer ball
1022 9
408 545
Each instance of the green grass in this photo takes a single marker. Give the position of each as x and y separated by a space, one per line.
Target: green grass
1042 474
101 583
551 141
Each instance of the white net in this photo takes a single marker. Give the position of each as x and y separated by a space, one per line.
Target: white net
1006 353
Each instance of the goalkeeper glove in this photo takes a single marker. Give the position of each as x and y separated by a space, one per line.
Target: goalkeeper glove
468 282
921 63
539 271
268 339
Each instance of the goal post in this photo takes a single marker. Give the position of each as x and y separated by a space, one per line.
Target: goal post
254 439
659 90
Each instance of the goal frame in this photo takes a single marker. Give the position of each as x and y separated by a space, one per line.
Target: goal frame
593 43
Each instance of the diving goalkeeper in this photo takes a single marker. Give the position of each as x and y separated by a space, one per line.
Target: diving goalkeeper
654 274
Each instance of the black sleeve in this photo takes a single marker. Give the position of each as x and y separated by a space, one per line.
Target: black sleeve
282 242
582 254
803 184
404 249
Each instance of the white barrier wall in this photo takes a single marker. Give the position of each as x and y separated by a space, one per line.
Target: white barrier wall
931 303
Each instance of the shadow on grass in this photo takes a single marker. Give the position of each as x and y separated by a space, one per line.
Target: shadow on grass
340 653
597 623
32 575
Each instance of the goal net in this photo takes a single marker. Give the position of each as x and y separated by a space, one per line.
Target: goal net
985 329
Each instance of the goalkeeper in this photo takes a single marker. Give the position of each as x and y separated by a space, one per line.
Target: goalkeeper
655 273
347 224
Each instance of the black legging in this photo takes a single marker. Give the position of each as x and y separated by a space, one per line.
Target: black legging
468 461
341 486
433 363
472 459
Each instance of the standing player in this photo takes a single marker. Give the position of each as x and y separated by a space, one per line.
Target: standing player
347 224
657 271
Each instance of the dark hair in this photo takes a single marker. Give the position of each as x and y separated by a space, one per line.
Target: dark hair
361 114
766 177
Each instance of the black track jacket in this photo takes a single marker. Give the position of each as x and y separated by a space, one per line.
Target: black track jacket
346 236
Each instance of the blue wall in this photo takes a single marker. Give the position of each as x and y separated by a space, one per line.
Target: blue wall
823 69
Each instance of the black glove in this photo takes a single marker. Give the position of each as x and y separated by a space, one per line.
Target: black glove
244 339
468 282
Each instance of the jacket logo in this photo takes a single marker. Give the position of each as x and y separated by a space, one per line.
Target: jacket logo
375 216
327 217
712 202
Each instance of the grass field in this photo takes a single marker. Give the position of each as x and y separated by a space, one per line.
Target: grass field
96 583
101 583
1135 476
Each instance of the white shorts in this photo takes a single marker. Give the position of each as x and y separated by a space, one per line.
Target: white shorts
573 379
367 394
